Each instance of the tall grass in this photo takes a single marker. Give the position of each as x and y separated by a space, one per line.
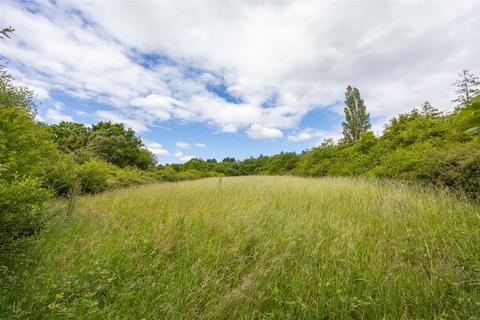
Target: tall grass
253 247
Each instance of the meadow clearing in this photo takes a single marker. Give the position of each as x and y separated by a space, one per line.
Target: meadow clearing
252 247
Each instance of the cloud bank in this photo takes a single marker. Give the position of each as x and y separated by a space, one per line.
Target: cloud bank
252 67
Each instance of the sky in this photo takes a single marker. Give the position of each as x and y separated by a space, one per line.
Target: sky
212 79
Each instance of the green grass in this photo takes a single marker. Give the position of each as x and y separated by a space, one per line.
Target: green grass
252 247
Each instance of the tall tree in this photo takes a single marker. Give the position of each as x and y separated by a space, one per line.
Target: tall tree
427 110
70 136
357 120
119 146
468 87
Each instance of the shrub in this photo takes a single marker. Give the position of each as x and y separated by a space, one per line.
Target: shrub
460 169
192 174
167 174
94 176
22 208
129 176
62 175
26 147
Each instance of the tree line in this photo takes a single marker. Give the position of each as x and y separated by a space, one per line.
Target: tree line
39 162
423 145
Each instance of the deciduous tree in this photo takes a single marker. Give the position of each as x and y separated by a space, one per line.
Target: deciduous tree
357 120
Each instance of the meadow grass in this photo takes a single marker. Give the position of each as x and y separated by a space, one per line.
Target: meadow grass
252 247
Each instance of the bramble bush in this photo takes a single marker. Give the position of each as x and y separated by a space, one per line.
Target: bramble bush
22 208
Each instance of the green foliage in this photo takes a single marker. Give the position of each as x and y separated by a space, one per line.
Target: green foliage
22 208
357 120
14 96
192 174
166 173
459 169
197 164
119 146
251 166
27 154
62 176
26 147
129 176
97 176
418 146
469 117
105 141
70 136
282 163
94 176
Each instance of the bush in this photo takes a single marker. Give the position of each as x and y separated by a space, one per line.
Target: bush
97 175
62 175
460 170
26 147
167 174
94 176
22 208
129 176
192 174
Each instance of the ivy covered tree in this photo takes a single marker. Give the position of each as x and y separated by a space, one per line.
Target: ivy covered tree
468 87
357 120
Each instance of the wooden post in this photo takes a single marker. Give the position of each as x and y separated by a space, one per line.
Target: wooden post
72 197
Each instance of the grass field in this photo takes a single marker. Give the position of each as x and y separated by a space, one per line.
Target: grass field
252 247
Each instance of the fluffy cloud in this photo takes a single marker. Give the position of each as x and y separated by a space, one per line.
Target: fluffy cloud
183 157
134 124
183 145
157 149
237 64
306 134
54 115
200 145
309 134
258 132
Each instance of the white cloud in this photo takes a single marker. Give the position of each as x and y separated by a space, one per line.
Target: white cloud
54 115
81 113
228 127
309 134
114 117
200 145
258 132
183 157
295 56
183 145
157 149
57 105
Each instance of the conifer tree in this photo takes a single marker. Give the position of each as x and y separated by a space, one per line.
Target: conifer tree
427 110
468 87
357 120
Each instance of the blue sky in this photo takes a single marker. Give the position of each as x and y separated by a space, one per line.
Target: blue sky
212 79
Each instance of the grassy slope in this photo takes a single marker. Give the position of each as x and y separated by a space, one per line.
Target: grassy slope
264 247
